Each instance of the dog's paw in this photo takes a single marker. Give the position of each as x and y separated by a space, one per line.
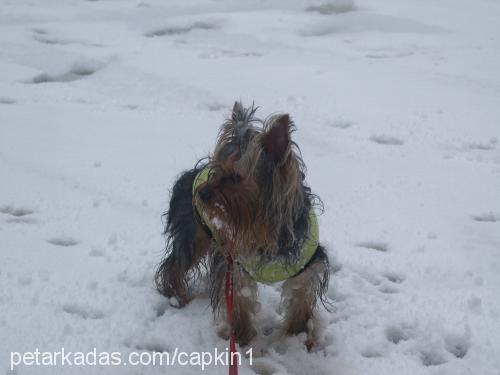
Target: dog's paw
242 335
182 302
223 331
309 343
305 330
245 336
178 302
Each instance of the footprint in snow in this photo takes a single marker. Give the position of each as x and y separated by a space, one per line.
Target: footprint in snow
63 241
371 352
389 140
374 245
6 100
45 39
480 146
147 344
396 334
131 107
388 289
16 211
458 344
54 40
389 55
432 357
85 312
372 278
394 277
40 31
184 29
333 7
19 215
341 124
77 72
487 217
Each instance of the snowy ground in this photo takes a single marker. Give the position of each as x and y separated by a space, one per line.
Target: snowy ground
397 103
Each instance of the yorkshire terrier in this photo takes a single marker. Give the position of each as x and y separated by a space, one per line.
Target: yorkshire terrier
248 200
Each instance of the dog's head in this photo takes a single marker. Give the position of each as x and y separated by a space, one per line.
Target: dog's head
255 191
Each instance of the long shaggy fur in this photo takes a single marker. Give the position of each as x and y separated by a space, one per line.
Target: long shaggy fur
186 243
258 197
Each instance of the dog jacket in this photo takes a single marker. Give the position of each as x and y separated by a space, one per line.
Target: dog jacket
264 271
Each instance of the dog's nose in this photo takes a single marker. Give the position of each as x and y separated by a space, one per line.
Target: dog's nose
204 194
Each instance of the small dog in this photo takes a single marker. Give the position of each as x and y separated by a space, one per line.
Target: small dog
248 200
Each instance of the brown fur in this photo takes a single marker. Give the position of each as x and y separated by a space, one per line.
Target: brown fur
258 205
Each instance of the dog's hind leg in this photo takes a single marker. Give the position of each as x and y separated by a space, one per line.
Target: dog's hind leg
178 270
300 296
187 243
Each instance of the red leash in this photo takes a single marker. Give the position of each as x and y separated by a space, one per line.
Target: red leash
233 366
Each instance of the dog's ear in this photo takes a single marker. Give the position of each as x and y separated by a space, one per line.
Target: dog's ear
276 140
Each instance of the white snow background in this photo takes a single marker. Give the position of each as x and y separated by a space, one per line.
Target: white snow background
397 105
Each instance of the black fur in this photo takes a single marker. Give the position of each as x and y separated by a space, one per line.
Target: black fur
180 231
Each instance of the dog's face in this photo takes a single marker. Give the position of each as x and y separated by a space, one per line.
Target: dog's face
255 190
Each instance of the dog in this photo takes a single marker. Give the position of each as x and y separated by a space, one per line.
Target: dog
249 200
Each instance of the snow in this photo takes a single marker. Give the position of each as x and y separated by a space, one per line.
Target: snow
218 223
397 105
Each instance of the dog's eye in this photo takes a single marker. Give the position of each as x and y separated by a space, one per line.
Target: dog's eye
232 178
235 177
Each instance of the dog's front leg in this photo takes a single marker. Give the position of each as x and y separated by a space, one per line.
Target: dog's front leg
244 303
300 295
245 306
